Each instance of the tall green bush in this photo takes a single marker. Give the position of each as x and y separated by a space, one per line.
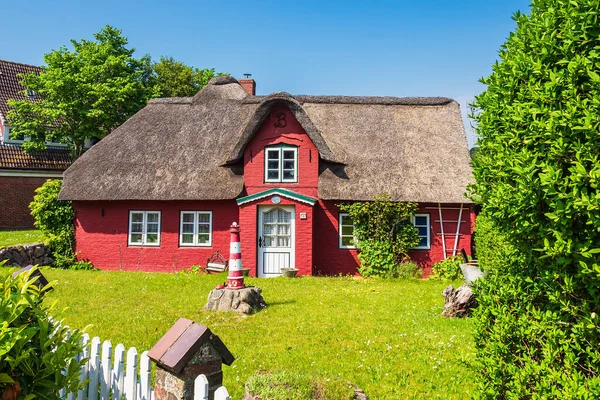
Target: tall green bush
384 234
54 218
36 354
537 173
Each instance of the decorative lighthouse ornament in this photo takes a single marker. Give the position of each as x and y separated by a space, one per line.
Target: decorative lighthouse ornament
235 278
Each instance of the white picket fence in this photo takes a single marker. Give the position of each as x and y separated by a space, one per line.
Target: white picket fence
114 377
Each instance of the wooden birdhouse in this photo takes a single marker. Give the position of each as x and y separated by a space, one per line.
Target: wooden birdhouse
186 351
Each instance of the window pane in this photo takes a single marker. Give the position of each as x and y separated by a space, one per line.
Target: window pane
203 229
421 221
289 154
283 241
423 242
288 174
283 229
347 241
268 229
284 216
188 217
187 238
347 230
204 217
422 231
152 228
268 241
137 217
153 217
273 174
203 238
273 154
152 238
346 219
187 228
137 227
288 164
136 238
273 164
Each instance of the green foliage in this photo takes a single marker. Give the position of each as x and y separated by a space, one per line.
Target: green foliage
35 353
82 93
447 269
537 172
383 233
287 385
173 78
408 270
54 218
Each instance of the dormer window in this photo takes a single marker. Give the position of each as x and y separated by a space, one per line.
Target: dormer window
281 163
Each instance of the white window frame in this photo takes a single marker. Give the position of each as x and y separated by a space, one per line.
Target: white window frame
340 236
195 233
144 232
280 149
413 219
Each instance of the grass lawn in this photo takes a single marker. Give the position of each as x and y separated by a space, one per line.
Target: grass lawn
27 236
388 338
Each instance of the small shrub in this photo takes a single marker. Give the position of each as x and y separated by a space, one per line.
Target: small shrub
83 266
408 270
383 232
448 269
287 385
36 354
54 218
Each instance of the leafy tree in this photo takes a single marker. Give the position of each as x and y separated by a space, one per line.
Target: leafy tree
537 174
82 93
175 79
384 235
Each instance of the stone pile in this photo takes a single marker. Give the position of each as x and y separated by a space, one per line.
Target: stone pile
22 256
246 300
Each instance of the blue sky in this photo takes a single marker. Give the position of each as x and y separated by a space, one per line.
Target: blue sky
379 48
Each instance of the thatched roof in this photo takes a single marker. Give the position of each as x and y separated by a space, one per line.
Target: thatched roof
191 148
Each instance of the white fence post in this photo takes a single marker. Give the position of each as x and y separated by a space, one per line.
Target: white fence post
221 394
131 374
201 388
85 340
118 373
106 367
94 369
145 368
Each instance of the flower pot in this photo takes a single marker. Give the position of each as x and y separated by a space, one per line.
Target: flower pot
246 271
289 272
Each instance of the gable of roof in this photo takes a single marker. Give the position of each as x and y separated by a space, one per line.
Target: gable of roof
14 157
190 148
10 86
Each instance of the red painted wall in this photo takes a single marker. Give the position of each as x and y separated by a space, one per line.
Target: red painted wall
17 193
103 239
293 134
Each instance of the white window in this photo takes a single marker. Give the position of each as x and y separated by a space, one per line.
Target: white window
281 164
144 228
421 222
195 228
346 231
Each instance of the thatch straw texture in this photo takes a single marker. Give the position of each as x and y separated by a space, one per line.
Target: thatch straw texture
191 148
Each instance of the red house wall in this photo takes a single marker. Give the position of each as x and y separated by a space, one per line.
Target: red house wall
102 239
293 134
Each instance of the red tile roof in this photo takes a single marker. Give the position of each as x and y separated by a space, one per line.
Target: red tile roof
14 157
10 88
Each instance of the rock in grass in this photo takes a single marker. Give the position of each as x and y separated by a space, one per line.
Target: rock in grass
459 302
245 301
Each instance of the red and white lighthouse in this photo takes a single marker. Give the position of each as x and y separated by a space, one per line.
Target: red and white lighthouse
235 278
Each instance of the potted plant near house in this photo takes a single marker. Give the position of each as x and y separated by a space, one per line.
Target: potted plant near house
289 272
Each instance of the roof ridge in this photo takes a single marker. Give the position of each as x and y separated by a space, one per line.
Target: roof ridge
23 64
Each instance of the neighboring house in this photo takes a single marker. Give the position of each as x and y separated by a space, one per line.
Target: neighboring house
160 192
20 172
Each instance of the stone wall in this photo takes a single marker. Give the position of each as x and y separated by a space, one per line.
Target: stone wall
22 256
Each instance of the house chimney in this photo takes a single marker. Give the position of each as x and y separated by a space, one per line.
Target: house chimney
248 84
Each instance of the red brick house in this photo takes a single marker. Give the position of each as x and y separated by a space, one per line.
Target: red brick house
20 172
160 192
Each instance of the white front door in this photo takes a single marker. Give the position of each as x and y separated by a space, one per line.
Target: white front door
276 237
